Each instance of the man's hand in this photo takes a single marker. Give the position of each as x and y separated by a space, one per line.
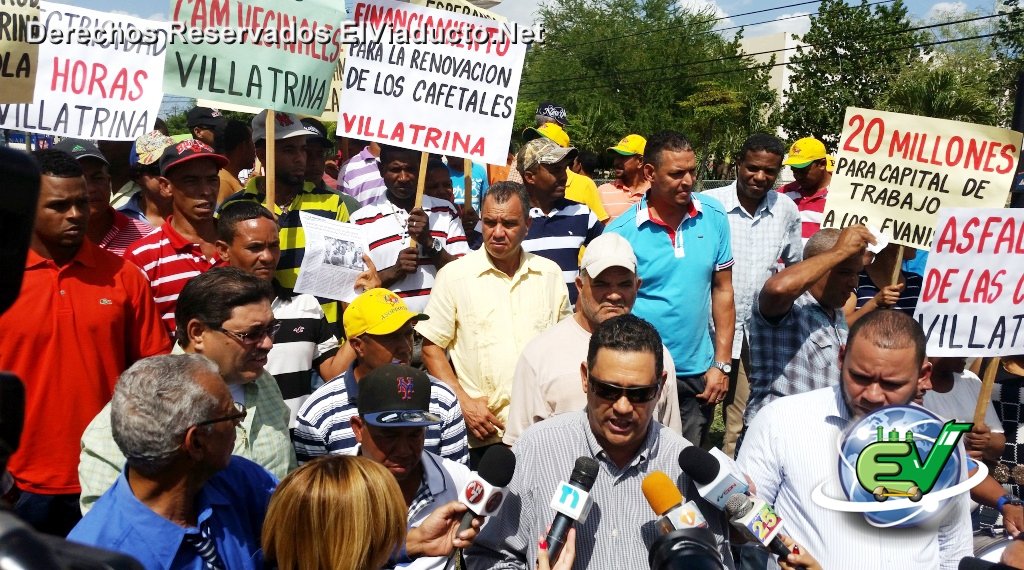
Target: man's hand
977 441
853 240
438 534
419 227
888 296
469 218
716 385
408 260
799 559
368 279
1013 519
479 419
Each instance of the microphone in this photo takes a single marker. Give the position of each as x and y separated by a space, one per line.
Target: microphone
714 483
484 492
667 502
572 502
969 563
758 520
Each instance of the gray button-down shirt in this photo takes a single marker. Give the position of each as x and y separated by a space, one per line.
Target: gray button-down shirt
759 242
621 527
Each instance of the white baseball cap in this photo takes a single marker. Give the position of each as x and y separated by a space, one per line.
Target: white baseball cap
608 250
287 125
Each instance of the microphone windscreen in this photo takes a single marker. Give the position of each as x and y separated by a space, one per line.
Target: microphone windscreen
584 472
497 466
661 493
700 465
737 506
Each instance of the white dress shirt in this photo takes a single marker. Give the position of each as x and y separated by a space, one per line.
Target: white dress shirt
791 447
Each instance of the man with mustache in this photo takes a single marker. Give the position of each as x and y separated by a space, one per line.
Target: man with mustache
82 317
388 224
765 228
224 315
183 246
546 381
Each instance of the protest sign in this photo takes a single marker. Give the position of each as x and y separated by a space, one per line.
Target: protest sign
460 7
972 301
99 76
333 259
895 171
260 54
431 80
19 58
330 111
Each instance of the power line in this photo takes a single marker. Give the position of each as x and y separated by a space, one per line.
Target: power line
619 73
767 66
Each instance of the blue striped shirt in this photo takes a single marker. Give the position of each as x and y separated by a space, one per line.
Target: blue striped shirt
325 426
559 235
907 303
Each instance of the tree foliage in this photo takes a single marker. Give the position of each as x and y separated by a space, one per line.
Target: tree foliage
640 66
1009 50
854 54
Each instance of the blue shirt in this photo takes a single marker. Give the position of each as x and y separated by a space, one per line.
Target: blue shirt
677 267
479 182
559 235
233 504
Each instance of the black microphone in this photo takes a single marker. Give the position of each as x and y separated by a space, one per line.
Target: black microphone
484 493
715 483
970 563
571 502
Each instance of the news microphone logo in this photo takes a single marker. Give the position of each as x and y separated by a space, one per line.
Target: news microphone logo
571 502
898 464
474 492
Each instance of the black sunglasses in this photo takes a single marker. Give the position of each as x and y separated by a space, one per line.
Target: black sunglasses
613 392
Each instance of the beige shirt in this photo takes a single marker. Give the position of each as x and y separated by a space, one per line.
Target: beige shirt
547 381
484 318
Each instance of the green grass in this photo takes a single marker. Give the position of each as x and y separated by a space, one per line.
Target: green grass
717 433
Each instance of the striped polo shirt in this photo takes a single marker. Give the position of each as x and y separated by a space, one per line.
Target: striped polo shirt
812 208
559 235
317 201
360 178
866 290
304 341
385 228
325 422
123 233
169 261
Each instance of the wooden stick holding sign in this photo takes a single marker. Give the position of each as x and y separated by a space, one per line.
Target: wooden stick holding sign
421 182
270 181
985 396
899 265
467 182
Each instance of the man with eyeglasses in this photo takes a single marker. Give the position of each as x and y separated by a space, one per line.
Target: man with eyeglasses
812 172
224 315
379 328
623 377
182 500
183 246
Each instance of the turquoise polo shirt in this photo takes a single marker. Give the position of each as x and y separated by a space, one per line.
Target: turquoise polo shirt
677 266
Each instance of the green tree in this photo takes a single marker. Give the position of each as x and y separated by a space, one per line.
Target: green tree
640 66
854 53
1009 49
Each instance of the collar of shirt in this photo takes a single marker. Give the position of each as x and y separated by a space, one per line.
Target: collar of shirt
434 484
557 207
86 255
252 189
639 191
178 242
485 265
645 451
643 212
351 385
366 156
729 197
162 536
839 415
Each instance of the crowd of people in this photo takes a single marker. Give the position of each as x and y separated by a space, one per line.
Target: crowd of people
187 407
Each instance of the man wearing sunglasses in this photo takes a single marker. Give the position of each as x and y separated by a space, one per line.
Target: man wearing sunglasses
182 500
623 377
224 315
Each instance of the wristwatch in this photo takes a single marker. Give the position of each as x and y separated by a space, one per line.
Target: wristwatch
435 247
1007 500
725 367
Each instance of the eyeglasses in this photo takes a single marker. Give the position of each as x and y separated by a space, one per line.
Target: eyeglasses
612 392
236 417
253 337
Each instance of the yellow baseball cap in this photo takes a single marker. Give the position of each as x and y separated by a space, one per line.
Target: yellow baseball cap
548 130
377 312
804 152
630 145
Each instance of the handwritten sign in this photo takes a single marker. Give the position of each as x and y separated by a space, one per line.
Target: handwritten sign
460 7
896 171
19 58
256 53
972 302
431 80
99 75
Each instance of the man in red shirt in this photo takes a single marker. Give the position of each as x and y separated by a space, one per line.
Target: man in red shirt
184 246
812 170
82 317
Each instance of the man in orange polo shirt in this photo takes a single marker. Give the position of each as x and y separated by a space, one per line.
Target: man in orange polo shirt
630 183
82 317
